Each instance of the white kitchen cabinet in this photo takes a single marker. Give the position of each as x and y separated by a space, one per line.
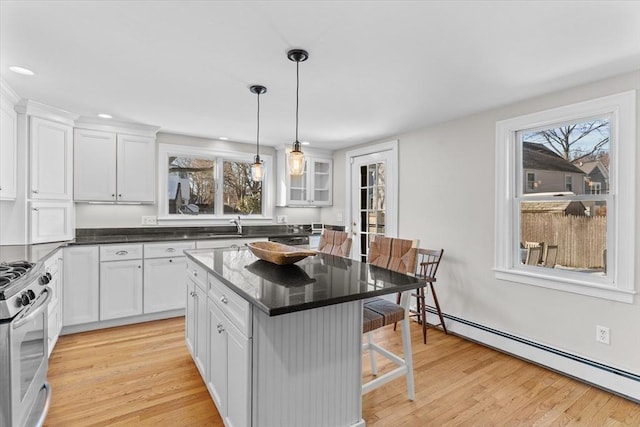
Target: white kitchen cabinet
164 267
120 281
8 150
81 285
217 379
114 167
50 221
53 269
239 374
312 188
51 160
197 331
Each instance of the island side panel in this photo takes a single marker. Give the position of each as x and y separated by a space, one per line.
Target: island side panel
308 367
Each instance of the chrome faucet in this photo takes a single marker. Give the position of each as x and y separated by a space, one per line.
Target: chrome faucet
238 224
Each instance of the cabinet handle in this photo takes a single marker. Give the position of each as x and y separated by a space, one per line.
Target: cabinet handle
192 293
220 328
122 253
170 250
224 300
35 191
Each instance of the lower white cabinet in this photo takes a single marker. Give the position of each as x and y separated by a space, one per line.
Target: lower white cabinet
217 379
190 316
53 268
81 285
163 284
120 289
200 338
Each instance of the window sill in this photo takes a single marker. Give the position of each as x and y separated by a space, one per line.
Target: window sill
566 285
213 219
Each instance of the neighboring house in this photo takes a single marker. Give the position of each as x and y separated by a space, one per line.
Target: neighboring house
546 172
558 208
597 177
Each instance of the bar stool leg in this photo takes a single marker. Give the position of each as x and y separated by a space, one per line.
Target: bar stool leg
406 344
372 356
435 300
423 313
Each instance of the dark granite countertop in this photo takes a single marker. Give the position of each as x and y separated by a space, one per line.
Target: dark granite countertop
316 281
99 236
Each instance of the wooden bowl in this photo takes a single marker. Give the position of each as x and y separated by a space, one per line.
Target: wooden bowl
277 253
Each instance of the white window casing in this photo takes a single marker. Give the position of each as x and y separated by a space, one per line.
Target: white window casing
618 283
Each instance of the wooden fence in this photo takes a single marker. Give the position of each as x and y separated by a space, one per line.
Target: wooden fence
581 240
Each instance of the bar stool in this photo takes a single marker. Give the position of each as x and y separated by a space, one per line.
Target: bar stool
335 243
397 255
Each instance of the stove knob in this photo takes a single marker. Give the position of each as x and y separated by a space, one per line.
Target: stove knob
25 298
31 294
48 275
44 280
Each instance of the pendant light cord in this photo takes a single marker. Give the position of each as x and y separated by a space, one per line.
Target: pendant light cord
258 131
297 97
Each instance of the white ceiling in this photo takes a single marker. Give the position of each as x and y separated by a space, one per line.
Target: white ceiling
376 68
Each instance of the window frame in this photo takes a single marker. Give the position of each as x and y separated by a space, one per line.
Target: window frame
618 285
167 150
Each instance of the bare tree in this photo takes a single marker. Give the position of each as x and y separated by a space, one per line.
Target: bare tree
567 141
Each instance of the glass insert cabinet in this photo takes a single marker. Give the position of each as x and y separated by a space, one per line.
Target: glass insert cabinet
312 188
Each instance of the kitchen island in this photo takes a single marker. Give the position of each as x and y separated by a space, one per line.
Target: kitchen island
281 345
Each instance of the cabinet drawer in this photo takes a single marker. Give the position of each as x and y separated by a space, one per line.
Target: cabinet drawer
236 308
120 252
197 273
167 249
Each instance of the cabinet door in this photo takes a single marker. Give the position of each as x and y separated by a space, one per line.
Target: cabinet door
136 168
120 289
191 316
8 147
238 370
164 284
51 160
298 188
81 284
94 162
217 380
201 341
321 182
50 221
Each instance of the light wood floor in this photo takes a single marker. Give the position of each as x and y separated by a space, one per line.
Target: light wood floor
143 375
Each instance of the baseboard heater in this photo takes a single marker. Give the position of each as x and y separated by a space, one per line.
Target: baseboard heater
615 380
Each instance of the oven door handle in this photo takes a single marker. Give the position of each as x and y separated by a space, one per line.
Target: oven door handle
33 311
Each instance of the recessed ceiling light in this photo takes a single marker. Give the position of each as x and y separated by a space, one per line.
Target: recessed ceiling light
305 143
105 116
21 70
224 138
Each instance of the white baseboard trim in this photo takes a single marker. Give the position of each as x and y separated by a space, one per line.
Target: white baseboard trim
121 322
615 380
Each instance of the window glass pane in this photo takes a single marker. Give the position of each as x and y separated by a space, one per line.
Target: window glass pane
191 186
572 158
570 235
241 194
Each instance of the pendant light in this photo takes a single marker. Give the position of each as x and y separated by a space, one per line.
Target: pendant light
257 168
296 156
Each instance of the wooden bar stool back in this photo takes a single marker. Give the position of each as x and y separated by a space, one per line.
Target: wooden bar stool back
335 243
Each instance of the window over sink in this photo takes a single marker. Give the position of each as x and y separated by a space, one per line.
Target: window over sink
201 183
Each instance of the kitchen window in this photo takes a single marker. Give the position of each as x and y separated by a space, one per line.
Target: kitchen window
554 227
198 183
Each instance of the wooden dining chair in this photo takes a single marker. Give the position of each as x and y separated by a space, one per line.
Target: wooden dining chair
534 255
427 267
550 256
398 255
335 243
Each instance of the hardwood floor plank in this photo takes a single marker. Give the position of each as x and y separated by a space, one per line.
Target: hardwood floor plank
143 375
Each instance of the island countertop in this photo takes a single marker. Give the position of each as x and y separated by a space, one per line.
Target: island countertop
316 281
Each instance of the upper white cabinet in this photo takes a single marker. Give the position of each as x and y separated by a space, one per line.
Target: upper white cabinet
312 188
8 149
114 167
51 152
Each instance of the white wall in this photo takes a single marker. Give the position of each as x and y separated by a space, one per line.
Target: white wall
112 216
447 201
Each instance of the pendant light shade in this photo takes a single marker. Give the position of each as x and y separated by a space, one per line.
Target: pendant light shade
257 168
296 156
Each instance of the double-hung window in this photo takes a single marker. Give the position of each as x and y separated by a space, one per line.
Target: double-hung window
556 227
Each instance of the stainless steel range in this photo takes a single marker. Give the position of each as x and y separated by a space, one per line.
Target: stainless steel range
24 391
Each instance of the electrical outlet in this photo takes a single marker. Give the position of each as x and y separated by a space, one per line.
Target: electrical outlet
603 334
149 220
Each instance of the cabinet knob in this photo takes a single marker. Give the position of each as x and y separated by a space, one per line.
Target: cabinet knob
113 195
224 299
170 260
220 328
36 209
195 273
35 191
119 195
139 266
192 293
